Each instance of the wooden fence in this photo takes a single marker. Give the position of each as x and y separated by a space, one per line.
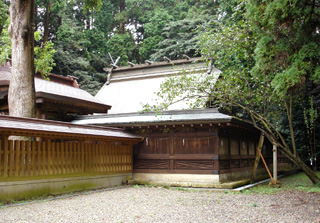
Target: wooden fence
46 158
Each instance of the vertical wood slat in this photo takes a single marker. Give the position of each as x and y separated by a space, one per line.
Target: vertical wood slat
43 151
62 157
5 144
107 148
11 157
71 150
79 157
23 157
66 157
58 156
88 157
74 158
102 162
32 173
111 159
82 157
36 158
96 158
28 158
40 160
105 158
17 159
53 158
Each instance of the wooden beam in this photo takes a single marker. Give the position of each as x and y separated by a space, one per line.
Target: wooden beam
256 161
267 168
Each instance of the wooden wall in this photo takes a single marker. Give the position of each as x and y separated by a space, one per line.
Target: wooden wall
174 152
202 149
32 159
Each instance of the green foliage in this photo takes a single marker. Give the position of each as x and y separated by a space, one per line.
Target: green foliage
153 33
180 37
3 15
123 45
5 43
43 62
93 5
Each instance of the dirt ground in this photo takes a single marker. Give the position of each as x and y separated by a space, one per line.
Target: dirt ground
151 204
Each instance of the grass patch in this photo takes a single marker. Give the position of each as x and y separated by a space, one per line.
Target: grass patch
297 181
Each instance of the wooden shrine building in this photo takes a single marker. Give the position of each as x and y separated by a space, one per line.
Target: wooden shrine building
59 98
200 147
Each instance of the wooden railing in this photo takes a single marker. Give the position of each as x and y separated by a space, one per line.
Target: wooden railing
46 158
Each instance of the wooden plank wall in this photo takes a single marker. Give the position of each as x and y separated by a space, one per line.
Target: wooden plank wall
45 158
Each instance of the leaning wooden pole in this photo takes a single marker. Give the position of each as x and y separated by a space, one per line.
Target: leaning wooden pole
256 161
267 168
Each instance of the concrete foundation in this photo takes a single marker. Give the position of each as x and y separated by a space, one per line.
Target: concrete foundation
183 180
16 190
223 180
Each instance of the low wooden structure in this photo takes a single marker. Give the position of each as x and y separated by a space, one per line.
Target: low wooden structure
64 157
201 147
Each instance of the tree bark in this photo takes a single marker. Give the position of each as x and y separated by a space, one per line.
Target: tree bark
311 174
47 22
289 114
21 98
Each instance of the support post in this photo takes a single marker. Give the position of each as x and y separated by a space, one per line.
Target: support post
256 161
275 163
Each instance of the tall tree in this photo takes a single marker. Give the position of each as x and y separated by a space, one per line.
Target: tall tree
21 98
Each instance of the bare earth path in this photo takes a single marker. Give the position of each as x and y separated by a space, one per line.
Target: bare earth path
145 204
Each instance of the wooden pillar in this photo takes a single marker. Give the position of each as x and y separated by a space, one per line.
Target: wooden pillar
275 163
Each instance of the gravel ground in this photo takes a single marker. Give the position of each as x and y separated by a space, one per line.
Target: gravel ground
146 204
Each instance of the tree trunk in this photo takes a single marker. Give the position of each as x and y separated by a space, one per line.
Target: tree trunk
311 174
47 22
289 114
122 7
308 171
21 97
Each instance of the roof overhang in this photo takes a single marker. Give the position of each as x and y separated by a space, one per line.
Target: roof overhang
52 129
94 107
174 117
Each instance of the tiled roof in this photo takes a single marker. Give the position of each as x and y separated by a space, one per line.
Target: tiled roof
55 88
151 118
